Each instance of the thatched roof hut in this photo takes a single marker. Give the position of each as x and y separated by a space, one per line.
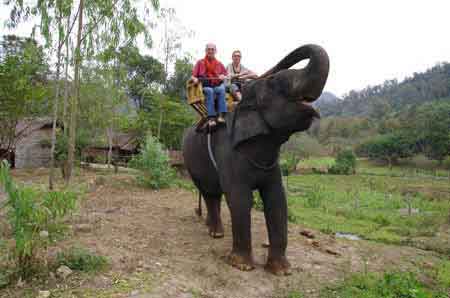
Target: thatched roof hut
124 145
32 149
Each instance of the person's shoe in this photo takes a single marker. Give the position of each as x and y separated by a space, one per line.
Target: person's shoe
212 123
220 119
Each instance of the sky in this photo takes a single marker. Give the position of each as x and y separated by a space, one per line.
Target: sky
368 42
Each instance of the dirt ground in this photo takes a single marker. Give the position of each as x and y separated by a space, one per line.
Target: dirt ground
159 247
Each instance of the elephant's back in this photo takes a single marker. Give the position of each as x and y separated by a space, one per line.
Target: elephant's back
195 144
198 162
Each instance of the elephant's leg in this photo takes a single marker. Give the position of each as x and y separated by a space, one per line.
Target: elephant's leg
275 211
240 204
213 219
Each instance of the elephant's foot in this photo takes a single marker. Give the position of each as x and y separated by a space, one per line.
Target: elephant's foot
216 231
243 263
279 266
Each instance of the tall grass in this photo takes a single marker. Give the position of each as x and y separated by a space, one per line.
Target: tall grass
35 218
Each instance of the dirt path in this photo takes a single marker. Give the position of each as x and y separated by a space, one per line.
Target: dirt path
157 233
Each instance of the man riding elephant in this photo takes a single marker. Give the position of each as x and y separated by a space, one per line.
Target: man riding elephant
212 73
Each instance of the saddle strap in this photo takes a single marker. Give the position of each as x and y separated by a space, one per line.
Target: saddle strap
211 155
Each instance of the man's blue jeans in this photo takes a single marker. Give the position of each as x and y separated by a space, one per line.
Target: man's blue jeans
210 93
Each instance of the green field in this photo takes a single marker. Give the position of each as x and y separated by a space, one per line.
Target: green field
398 210
417 167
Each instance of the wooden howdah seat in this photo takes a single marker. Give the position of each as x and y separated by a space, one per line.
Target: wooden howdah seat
196 99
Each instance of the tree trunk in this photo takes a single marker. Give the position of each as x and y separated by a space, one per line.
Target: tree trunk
109 135
75 98
160 123
55 113
66 81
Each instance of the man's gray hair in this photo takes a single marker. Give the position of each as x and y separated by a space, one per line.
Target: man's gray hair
210 45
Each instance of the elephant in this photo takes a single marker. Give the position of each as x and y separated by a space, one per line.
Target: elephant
243 156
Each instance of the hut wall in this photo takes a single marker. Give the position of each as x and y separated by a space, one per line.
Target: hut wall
30 152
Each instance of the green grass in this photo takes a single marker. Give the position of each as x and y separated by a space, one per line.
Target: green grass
317 162
367 167
367 206
80 259
295 294
389 285
443 274
418 283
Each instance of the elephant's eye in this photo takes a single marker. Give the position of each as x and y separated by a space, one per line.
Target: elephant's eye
279 85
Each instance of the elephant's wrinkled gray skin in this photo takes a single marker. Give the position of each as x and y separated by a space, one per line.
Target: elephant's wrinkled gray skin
273 108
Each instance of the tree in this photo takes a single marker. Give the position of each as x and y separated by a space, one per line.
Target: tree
173 33
62 10
389 147
23 86
176 86
75 98
111 22
143 74
171 42
431 126
345 163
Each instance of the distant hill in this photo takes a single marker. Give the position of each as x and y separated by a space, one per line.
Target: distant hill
391 96
327 104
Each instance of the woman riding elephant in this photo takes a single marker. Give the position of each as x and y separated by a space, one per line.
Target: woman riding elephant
212 73
237 75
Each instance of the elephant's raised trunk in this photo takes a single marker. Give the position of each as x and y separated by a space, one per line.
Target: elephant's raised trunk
307 83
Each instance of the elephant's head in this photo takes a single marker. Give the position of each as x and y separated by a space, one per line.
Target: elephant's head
279 102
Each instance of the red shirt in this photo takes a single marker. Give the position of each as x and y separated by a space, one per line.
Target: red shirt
200 69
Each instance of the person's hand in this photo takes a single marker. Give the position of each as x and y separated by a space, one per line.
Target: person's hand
222 77
195 80
235 76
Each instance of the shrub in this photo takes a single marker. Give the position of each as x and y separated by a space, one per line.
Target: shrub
153 161
257 202
81 260
35 217
446 163
345 163
62 143
288 164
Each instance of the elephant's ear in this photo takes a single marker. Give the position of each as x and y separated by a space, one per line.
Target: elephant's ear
244 124
246 121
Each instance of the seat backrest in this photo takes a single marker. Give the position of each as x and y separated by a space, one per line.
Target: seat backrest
196 99
194 92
